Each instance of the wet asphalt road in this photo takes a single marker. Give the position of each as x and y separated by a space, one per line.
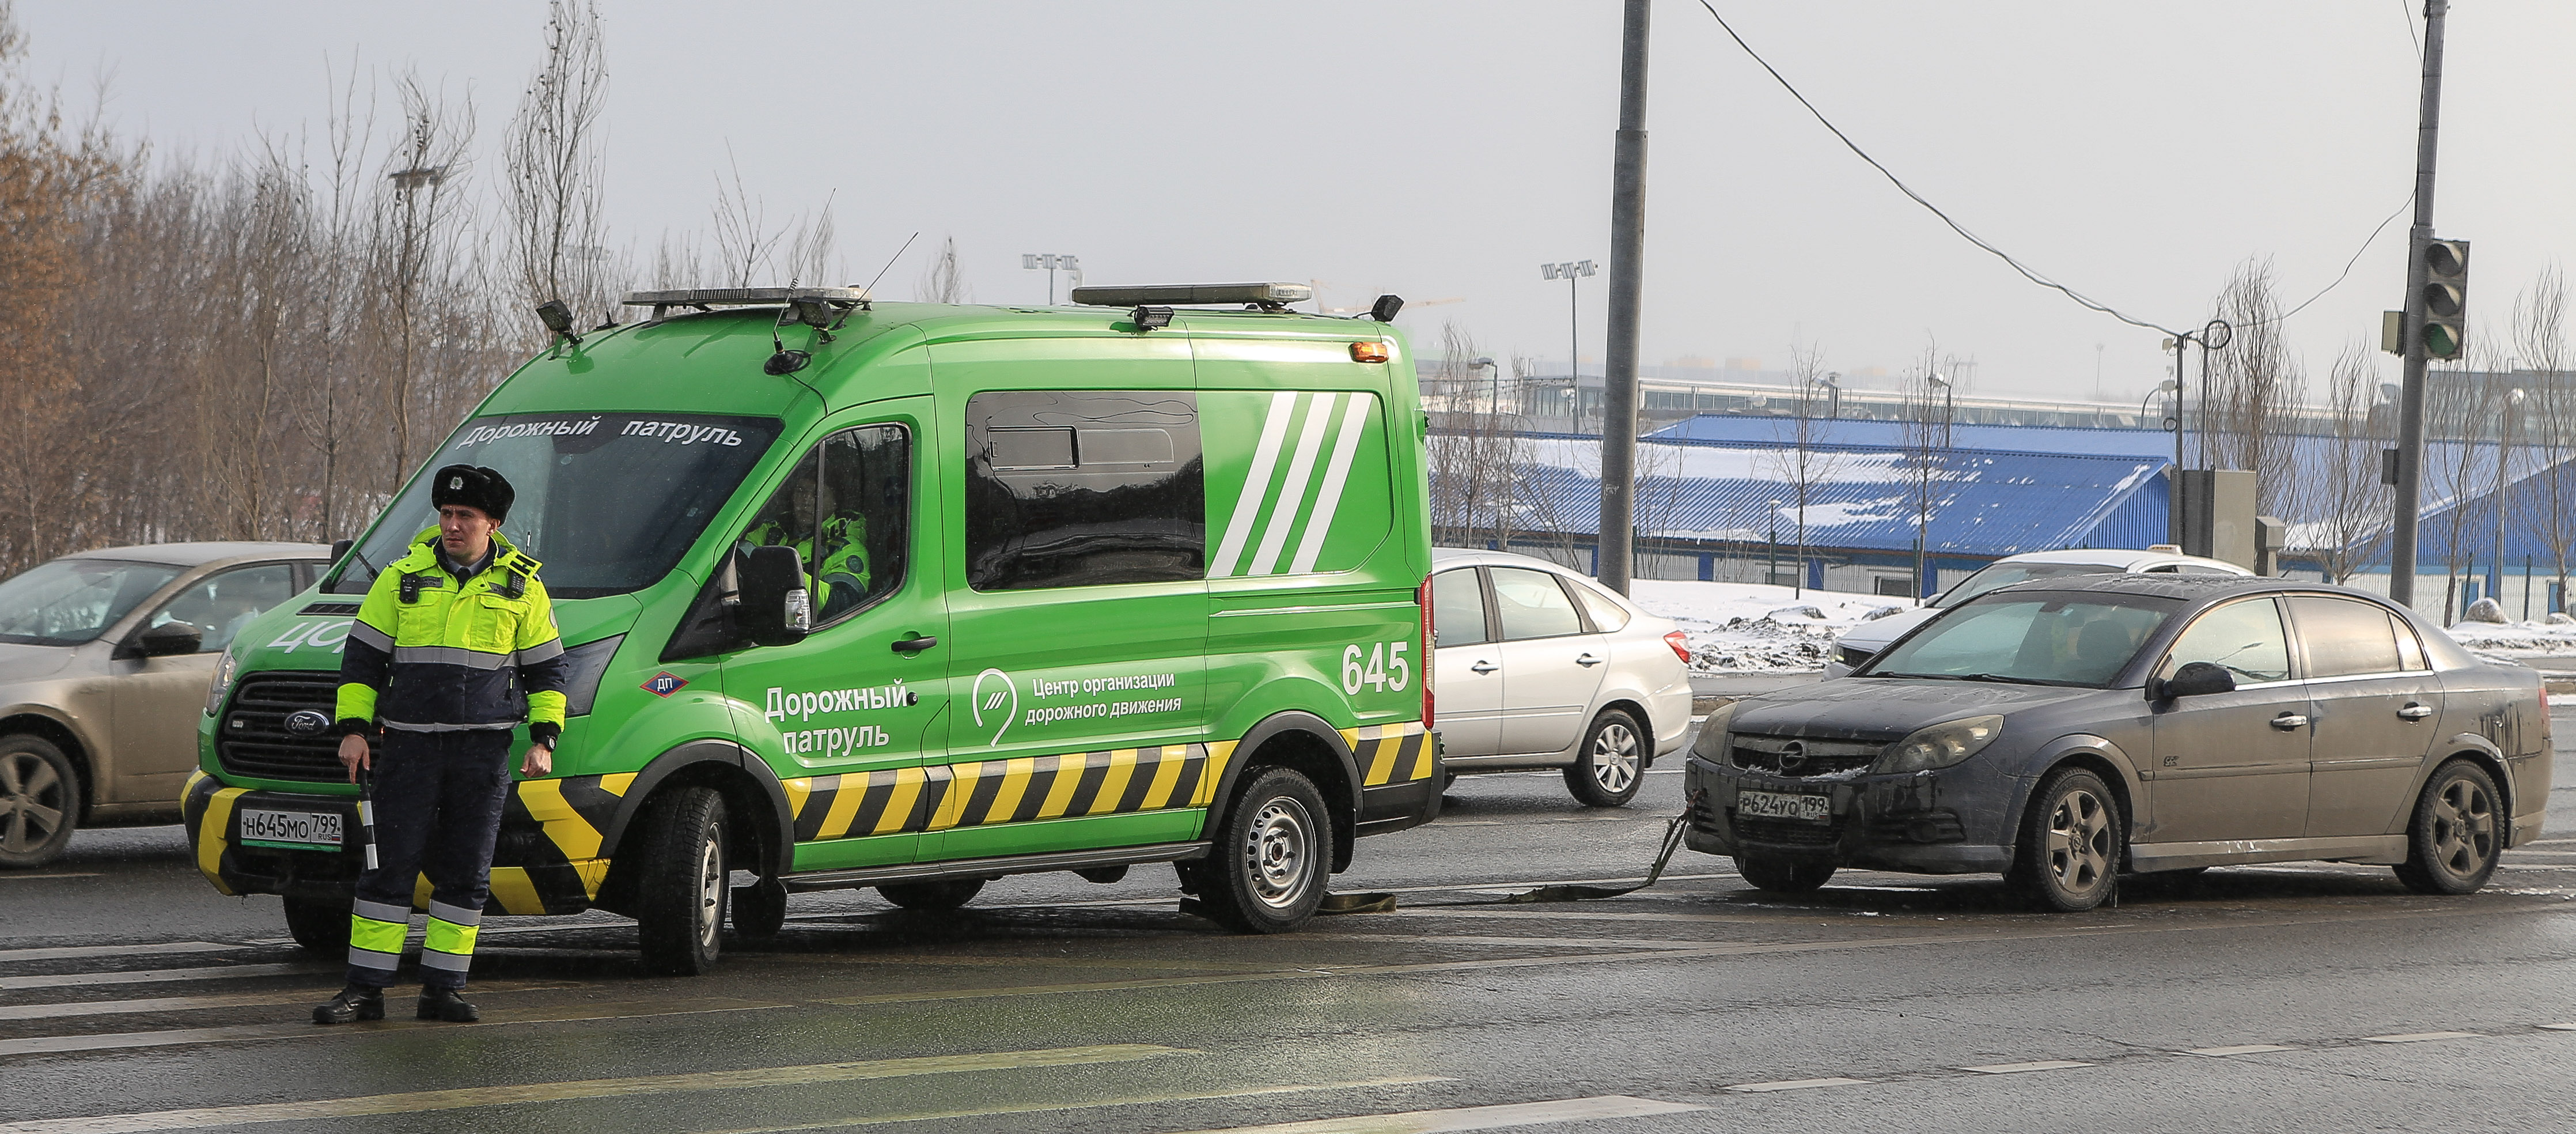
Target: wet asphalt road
132 997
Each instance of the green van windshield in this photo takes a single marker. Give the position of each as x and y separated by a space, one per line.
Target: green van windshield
609 501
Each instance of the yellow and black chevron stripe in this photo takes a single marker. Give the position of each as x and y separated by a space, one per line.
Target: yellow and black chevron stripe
547 860
1390 753
976 793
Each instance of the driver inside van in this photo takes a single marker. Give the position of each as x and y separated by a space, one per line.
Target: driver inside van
842 570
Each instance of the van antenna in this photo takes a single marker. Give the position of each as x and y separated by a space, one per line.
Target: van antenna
871 290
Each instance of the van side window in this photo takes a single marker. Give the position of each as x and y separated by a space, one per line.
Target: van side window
1082 488
846 510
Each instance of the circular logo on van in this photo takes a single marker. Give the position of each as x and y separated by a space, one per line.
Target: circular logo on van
307 722
1793 756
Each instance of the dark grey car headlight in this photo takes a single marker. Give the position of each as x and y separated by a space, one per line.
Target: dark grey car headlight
1940 745
1711 744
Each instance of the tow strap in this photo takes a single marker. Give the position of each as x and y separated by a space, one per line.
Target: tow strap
1382 902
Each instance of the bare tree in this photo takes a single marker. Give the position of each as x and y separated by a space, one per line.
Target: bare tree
2540 337
943 282
1800 459
2346 518
1928 407
421 219
551 167
2459 407
1475 450
2250 396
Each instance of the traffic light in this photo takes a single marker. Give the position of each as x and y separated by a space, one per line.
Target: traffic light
2446 298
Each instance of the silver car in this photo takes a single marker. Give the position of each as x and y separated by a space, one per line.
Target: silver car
2063 731
105 661
1536 666
1860 642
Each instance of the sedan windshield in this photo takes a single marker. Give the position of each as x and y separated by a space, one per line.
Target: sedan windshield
2006 574
2037 640
70 601
608 501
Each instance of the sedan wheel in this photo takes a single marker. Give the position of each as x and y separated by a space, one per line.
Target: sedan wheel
2071 842
1612 763
39 801
2458 829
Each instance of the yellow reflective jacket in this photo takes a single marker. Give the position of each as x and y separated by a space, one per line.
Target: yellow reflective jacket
426 655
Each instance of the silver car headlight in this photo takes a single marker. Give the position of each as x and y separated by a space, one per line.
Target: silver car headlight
225 667
1711 745
1940 745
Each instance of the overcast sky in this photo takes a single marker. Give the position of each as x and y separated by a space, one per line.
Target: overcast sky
1443 151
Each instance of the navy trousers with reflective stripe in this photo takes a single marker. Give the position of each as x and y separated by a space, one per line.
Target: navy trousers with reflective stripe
438 809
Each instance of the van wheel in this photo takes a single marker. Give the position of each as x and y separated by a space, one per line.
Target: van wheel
2452 845
680 898
1273 858
760 909
933 896
39 801
1611 762
319 927
1784 876
2071 841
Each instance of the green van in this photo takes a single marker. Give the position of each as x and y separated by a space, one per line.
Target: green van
914 597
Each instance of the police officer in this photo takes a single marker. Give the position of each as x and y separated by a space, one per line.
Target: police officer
429 665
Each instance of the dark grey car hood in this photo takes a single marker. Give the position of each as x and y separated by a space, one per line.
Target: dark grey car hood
1885 708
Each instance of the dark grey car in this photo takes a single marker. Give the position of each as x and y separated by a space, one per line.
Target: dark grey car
2065 730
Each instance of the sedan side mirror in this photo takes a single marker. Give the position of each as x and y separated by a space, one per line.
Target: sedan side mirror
164 640
2194 679
776 609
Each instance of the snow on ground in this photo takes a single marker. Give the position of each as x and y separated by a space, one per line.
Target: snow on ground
1752 628
2517 641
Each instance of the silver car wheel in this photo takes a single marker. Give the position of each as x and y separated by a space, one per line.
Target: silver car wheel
1278 853
711 889
2464 827
1614 757
32 803
2079 841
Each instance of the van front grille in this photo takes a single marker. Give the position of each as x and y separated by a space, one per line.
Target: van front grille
253 740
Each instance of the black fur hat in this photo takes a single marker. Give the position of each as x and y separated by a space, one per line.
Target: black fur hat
479 488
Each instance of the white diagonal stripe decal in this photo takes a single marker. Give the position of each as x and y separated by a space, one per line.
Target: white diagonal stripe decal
1292 493
1256 484
1329 498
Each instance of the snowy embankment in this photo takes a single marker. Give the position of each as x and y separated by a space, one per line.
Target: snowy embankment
1752 628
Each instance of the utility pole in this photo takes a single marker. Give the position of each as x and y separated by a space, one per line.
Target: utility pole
2410 404
1627 278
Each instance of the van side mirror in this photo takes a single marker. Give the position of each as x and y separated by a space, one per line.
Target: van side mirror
2194 679
164 640
776 610
340 549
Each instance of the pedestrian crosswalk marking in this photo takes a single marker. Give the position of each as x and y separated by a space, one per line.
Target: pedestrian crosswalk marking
1095 1104
460 1098
243 1033
158 976
1475 1117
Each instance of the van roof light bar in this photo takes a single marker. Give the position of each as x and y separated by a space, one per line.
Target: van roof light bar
709 298
1266 296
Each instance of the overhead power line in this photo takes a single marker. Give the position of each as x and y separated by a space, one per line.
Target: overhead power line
2026 271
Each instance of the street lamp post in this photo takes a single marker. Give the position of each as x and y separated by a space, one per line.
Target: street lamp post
1571 271
2213 336
1053 262
1771 566
1493 429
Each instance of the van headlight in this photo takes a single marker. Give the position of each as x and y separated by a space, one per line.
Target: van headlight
225 667
1940 745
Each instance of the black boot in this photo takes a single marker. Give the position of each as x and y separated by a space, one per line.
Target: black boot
446 1004
356 1002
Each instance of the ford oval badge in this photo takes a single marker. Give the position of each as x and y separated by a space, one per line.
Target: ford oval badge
307 722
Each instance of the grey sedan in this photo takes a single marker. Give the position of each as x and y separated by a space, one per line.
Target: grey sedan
2066 730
